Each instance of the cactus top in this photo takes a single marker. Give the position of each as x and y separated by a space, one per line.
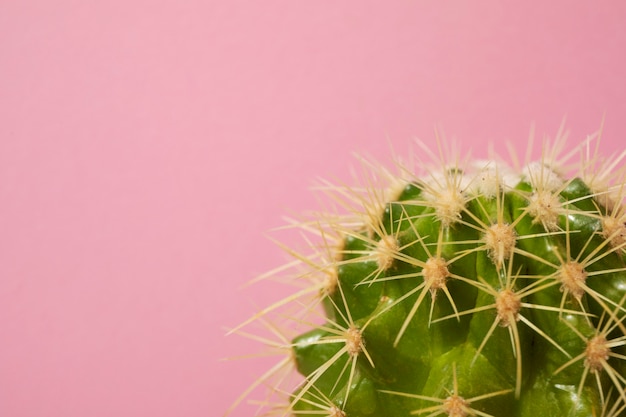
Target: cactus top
466 289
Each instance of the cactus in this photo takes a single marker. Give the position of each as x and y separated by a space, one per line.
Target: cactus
469 288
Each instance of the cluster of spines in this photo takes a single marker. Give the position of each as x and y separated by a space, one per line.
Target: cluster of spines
371 240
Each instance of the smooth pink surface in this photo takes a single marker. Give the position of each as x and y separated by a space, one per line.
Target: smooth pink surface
146 146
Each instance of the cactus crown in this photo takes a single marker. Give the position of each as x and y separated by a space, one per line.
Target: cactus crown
465 289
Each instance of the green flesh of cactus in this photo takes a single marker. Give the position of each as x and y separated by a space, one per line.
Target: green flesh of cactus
471 292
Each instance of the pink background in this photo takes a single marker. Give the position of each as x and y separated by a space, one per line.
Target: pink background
147 146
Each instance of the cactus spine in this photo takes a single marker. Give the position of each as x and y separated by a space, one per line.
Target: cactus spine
467 289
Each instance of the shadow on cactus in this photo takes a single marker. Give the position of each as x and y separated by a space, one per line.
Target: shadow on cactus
462 288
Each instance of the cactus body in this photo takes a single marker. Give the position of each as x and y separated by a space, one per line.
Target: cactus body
469 290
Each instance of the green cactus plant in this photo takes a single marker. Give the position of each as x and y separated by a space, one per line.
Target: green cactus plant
467 289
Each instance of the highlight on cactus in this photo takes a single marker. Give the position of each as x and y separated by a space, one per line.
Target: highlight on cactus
451 286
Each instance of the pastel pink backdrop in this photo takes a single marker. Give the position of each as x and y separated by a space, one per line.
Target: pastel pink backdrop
147 146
